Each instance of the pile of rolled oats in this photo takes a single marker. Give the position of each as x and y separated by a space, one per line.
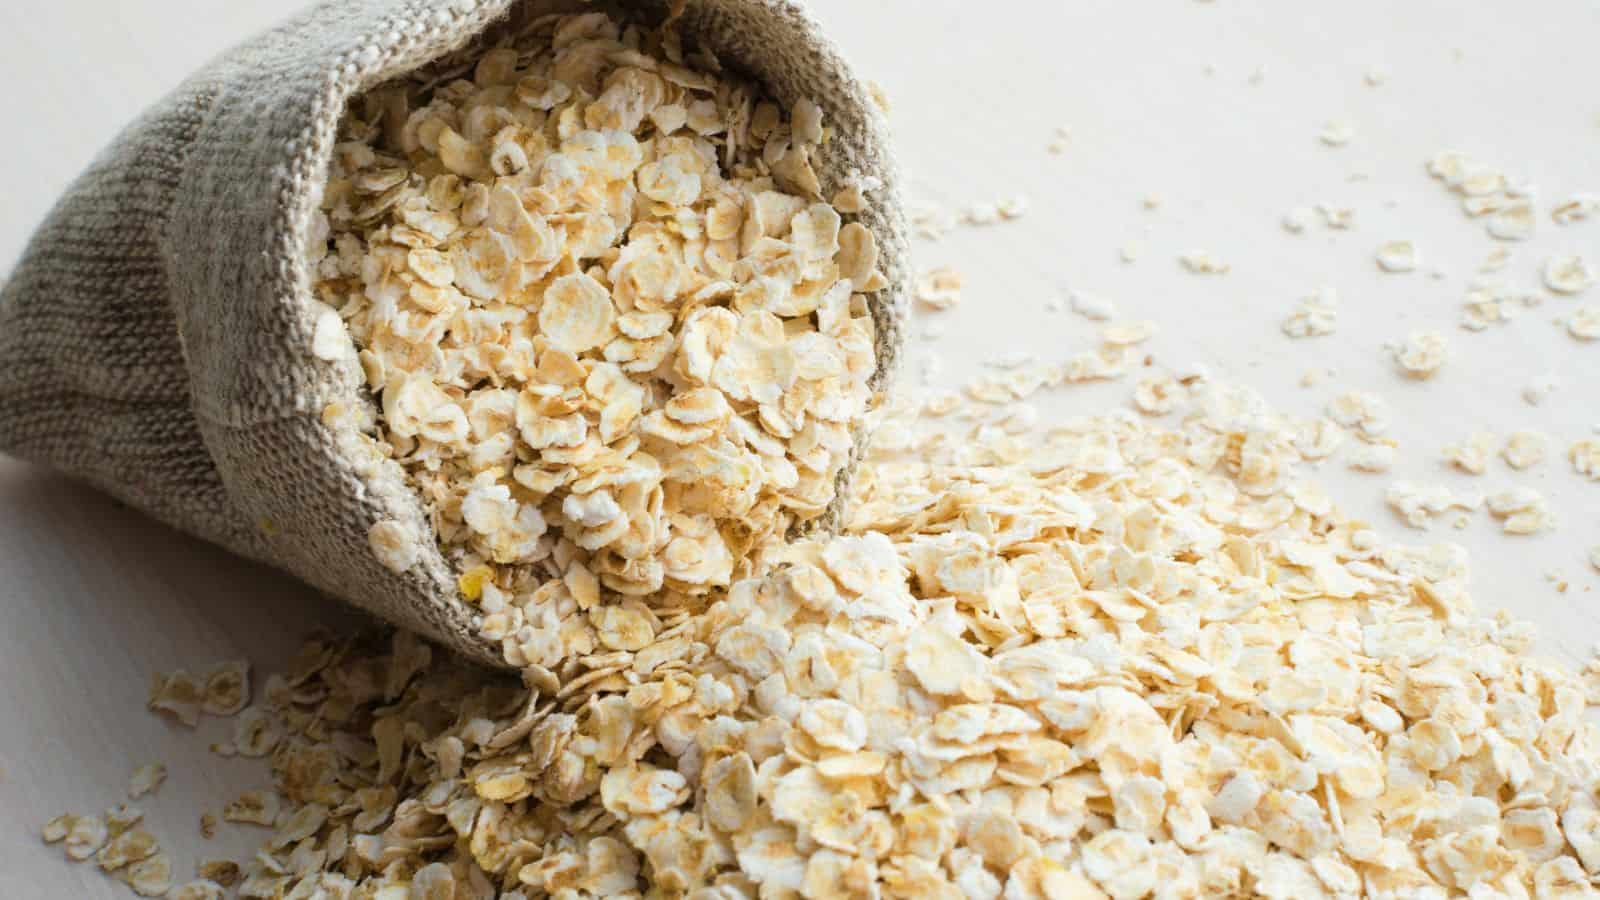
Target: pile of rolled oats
1104 660
619 339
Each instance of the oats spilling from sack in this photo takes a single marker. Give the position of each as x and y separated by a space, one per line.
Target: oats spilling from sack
1102 660
506 310
620 340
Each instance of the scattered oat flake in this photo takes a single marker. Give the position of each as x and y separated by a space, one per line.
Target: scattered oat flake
1472 455
130 846
56 830
85 837
1123 334
1012 207
1492 302
227 688
1584 323
1317 315
1092 306
1575 209
1337 132
147 779
1376 76
177 694
1514 222
1367 413
1200 262
1418 504
1130 251
1585 457
1522 510
1297 220
940 288
1524 449
253 808
981 214
1495 260
1421 354
1372 457
930 222
1398 256
1594 557
149 877
1336 217
1567 274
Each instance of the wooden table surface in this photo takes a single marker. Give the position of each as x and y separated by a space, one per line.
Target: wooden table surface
1215 106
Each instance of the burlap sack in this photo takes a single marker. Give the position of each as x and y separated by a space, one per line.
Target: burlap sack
155 337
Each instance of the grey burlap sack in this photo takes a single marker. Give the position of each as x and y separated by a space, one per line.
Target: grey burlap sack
155 337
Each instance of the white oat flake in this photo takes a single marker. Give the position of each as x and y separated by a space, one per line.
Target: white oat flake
1575 209
1378 457
1421 354
1200 262
1584 323
939 288
1317 315
1567 274
1524 449
1092 306
1473 454
1337 132
1398 256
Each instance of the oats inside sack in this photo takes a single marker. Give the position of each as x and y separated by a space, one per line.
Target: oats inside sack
616 336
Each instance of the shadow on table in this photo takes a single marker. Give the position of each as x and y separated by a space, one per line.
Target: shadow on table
76 564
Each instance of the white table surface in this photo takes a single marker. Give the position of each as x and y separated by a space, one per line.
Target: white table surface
1159 99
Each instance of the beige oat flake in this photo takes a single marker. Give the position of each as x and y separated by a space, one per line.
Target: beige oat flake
1585 458
147 779
1421 354
1398 256
1524 449
1199 262
939 288
1316 316
1472 455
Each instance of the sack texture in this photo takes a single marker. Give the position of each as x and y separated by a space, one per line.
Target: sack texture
155 337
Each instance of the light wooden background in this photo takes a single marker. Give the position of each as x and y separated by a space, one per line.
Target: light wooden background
1159 99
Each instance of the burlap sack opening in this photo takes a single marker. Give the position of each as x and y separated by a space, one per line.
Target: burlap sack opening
155 337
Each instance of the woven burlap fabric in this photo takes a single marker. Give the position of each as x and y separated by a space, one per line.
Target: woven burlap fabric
155 337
